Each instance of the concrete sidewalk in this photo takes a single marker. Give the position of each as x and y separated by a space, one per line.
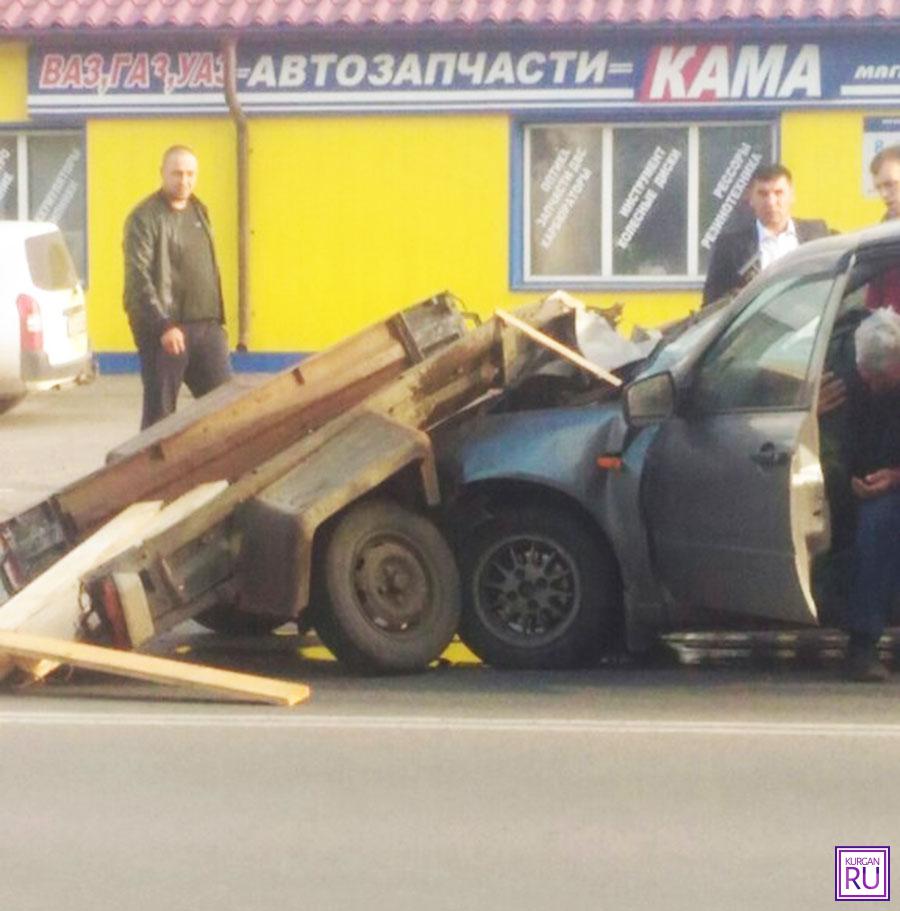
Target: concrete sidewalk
52 438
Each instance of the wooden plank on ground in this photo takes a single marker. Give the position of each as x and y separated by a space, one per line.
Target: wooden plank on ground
149 667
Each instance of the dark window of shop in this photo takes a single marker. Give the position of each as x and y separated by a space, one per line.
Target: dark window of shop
42 178
629 204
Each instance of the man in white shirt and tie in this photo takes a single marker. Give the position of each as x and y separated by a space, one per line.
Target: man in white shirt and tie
742 252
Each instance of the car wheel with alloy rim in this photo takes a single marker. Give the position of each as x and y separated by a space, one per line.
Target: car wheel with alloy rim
540 590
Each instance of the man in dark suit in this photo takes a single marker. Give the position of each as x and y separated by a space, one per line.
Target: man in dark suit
742 252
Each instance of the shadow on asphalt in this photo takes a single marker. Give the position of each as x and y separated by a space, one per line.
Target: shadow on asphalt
303 659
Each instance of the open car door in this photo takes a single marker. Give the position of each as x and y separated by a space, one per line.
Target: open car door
733 491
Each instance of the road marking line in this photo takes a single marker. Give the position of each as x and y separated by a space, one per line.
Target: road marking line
437 723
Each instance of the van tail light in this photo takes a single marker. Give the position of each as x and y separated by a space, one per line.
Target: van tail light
31 326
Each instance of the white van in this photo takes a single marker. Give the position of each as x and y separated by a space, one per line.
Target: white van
43 321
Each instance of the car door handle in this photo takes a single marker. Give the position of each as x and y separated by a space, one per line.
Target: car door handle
770 456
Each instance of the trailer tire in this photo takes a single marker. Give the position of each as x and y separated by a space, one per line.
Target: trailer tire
387 590
540 590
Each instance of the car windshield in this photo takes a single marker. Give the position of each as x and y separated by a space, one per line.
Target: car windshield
49 262
695 331
683 337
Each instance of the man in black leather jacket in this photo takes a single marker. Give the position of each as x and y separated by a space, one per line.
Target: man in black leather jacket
173 292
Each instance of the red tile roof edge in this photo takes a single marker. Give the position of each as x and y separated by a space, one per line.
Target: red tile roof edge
42 17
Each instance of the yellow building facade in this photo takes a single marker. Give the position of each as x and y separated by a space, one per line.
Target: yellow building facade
356 213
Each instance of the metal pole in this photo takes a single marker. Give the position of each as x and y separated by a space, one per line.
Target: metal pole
229 54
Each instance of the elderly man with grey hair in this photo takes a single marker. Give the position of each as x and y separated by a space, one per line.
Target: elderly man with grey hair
876 484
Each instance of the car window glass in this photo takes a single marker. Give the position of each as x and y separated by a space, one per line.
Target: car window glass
49 262
762 360
703 325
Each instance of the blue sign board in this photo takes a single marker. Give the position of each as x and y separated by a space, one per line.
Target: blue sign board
542 74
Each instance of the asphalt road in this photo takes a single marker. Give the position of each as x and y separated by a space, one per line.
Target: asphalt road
664 786
462 788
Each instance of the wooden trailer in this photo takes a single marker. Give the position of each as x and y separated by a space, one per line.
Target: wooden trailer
305 497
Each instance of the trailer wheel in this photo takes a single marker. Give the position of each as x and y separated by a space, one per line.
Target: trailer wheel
387 591
539 591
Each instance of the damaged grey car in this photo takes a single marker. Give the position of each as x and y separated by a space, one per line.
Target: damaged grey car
587 518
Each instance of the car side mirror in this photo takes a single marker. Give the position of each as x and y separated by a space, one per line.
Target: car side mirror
650 399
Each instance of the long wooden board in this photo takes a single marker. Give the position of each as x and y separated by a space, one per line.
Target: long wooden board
149 667
551 344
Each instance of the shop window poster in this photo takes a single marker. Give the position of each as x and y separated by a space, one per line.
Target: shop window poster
565 200
729 155
653 211
56 188
650 201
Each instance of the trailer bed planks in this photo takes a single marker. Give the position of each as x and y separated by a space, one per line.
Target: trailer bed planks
223 435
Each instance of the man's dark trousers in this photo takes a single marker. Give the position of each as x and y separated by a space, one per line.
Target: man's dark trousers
202 366
876 571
